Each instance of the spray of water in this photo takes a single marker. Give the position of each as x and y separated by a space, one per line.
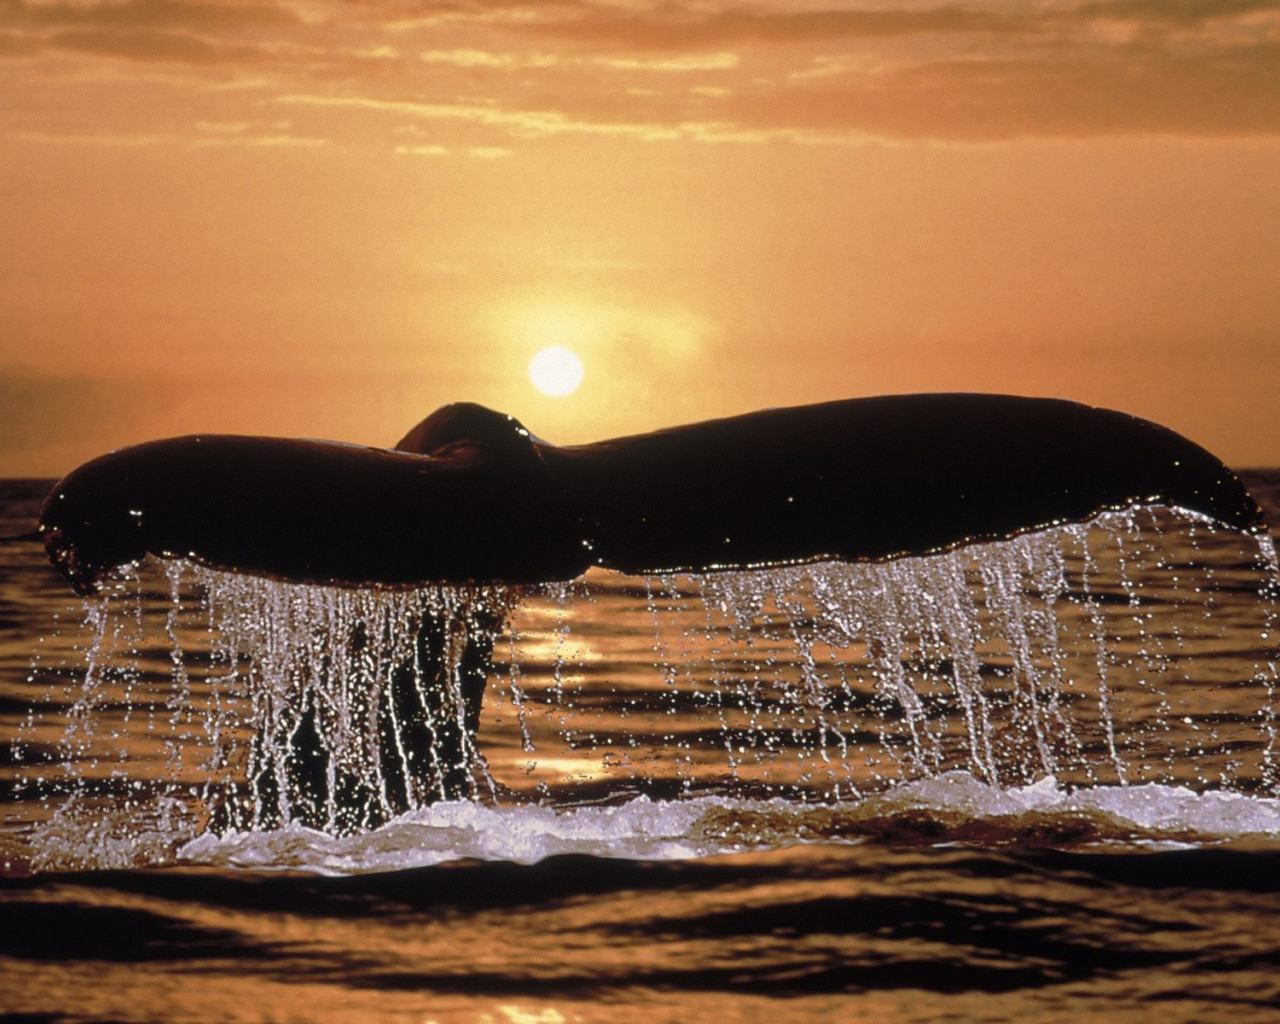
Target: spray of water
1060 654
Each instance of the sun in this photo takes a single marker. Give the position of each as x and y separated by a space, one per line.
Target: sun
556 371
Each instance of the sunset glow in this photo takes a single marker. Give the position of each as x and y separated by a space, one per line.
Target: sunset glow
325 219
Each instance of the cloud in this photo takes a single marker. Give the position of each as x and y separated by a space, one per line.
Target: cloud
280 141
146 45
523 123
470 58
1184 12
127 140
680 63
1152 92
678 28
1051 91
261 139
687 62
681 27
192 32
145 14
423 150
535 124
748 73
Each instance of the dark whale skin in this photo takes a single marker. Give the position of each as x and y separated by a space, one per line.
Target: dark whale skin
309 511
470 496
879 478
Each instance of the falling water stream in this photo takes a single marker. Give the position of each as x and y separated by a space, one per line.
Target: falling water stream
1033 781
1070 681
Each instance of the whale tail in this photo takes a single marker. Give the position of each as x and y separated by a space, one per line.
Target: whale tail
470 496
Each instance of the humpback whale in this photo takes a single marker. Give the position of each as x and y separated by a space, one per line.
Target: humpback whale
471 496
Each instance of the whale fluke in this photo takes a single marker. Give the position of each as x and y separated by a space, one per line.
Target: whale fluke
469 495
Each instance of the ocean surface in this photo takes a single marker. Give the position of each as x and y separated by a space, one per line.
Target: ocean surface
1034 781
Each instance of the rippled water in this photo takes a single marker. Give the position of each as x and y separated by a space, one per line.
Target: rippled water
697 799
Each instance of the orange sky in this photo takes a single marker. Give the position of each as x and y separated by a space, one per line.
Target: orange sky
326 217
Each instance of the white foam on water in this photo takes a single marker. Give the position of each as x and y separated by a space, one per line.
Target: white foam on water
952 808
1148 812
458 830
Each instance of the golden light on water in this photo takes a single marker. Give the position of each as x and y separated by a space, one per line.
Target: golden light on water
556 371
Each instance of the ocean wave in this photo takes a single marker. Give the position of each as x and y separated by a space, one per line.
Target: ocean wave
952 808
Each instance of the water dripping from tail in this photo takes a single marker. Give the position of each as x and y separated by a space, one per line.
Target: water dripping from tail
1267 670
359 705
1069 655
